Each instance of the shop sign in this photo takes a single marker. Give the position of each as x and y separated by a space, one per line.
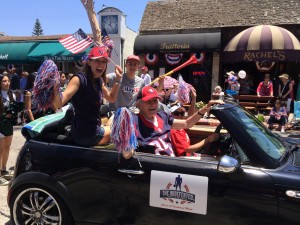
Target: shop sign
199 73
4 56
174 46
264 55
59 58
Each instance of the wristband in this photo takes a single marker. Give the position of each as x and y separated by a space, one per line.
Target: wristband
201 114
117 82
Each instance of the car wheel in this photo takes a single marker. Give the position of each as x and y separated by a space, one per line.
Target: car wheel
36 205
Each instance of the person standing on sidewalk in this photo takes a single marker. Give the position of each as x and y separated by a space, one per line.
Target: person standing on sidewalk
6 125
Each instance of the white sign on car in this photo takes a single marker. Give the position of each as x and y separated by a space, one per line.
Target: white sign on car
180 192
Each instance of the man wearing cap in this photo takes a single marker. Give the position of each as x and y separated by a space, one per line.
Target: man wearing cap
145 76
129 86
153 127
285 91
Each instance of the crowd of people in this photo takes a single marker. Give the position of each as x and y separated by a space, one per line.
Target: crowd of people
284 95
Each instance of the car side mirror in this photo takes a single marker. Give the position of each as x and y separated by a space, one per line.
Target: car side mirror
228 164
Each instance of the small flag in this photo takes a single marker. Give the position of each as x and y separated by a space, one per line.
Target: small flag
76 42
109 44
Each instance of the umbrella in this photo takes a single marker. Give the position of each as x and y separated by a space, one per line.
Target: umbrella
263 42
168 82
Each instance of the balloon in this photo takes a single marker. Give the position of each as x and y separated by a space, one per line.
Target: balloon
242 74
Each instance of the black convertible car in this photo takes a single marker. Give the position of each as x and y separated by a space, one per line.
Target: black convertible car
254 179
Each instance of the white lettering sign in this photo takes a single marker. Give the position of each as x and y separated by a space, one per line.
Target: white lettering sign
180 192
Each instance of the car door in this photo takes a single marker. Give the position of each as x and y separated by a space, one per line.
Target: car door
242 197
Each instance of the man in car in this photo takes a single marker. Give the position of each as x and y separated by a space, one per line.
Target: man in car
153 127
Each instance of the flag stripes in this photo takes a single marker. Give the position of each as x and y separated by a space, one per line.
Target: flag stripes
76 42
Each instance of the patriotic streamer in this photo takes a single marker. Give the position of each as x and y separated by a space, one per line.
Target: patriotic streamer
43 88
173 59
199 56
151 59
122 131
183 91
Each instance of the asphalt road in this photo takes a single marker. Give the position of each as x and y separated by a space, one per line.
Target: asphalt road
17 143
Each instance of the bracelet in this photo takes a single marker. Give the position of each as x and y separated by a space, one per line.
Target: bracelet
117 82
201 114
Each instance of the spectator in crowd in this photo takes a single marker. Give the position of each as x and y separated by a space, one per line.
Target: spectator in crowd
173 98
6 124
218 93
63 83
15 84
246 85
285 91
265 88
153 127
86 91
129 86
23 80
145 76
29 107
233 86
278 115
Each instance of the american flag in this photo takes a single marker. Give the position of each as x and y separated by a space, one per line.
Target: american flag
76 42
109 44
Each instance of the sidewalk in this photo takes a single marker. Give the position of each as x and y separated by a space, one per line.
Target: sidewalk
17 143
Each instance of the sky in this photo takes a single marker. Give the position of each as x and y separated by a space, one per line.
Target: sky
17 17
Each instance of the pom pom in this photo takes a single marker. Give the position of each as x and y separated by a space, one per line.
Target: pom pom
183 91
122 131
44 86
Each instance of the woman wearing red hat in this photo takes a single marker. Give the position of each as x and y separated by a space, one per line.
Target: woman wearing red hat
86 91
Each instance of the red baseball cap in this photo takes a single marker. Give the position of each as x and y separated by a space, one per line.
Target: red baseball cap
148 92
133 57
145 68
98 52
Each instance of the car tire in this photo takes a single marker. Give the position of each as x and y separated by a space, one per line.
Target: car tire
35 204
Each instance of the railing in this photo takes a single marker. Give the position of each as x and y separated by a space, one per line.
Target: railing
256 103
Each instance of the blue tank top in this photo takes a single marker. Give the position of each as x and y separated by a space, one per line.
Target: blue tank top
86 103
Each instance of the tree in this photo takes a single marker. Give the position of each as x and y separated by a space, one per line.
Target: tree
37 30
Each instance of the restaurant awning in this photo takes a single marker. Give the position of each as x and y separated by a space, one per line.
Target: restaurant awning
15 52
55 51
263 43
177 42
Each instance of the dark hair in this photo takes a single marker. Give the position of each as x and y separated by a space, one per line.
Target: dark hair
30 82
9 93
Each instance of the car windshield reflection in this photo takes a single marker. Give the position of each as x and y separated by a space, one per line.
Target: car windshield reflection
267 141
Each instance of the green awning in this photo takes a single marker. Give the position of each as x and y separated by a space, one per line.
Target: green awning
15 52
54 51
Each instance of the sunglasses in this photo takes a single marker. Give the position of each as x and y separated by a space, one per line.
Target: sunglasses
181 113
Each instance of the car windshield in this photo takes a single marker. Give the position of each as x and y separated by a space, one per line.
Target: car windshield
267 141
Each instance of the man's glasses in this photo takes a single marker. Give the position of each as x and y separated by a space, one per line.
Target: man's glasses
181 113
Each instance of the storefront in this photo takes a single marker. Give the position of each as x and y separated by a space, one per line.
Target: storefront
162 53
28 55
